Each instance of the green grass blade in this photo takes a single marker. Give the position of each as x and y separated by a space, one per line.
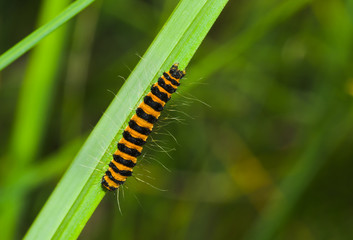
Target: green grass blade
79 57
47 169
79 192
37 92
31 114
231 50
28 42
319 149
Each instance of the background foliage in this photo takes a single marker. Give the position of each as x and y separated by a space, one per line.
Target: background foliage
267 155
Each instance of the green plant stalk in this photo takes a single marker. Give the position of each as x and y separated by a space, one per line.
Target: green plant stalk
133 13
231 50
77 72
14 192
331 126
32 111
319 150
49 168
32 39
36 93
79 192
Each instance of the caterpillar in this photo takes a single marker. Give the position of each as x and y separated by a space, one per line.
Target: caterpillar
139 127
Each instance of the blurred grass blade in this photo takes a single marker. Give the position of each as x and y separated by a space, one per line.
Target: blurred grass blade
331 127
49 168
79 57
319 149
230 50
79 192
31 114
28 42
37 90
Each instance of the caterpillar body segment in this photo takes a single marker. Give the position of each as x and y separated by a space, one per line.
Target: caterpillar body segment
139 127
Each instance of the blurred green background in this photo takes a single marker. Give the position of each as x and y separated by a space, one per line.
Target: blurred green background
262 122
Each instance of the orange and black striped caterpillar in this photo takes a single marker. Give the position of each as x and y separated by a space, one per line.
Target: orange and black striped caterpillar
139 127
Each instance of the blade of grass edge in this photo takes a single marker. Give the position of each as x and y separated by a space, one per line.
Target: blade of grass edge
32 39
36 93
320 147
79 191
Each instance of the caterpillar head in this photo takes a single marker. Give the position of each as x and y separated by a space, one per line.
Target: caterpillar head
175 72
